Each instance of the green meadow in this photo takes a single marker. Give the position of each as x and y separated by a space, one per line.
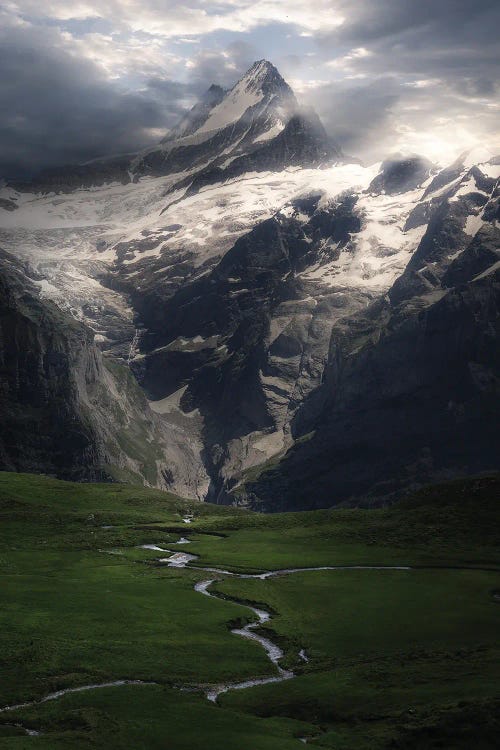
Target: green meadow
396 658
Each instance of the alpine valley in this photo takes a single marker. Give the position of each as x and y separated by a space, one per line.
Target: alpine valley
245 315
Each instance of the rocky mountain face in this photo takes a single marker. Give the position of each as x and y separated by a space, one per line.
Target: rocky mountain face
411 389
67 410
307 331
409 397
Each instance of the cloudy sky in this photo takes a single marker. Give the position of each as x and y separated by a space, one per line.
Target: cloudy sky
87 78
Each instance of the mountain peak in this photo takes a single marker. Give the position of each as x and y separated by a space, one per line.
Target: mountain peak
264 76
219 107
236 124
261 85
262 68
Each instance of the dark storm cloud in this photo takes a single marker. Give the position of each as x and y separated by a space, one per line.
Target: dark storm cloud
377 19
448 37
57 107
401 61
219 66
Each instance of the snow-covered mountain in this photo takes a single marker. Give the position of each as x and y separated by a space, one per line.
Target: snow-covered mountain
261 100
230 264
257 124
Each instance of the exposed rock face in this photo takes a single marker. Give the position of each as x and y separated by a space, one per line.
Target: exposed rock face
302 141
420 404
479 255
454 216
41 352
399 175
249 338
65 409
411 395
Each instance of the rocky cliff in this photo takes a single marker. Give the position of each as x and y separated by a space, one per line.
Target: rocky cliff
411 395
66 409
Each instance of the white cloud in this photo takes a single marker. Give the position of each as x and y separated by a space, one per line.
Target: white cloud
422 83
349 63
172 19
124 58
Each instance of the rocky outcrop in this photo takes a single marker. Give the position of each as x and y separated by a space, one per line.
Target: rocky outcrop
398 175
67 410
410 396
302 142
480 255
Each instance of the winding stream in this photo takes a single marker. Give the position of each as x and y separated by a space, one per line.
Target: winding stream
82 688
273 651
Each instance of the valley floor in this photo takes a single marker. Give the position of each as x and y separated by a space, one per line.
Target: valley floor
402 655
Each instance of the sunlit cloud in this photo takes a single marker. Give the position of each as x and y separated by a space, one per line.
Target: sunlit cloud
82 79
173 19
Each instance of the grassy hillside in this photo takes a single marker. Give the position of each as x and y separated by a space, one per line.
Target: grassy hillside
452 524
396 659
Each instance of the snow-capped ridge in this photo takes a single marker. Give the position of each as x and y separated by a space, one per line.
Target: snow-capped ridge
219 108
258 125
223 124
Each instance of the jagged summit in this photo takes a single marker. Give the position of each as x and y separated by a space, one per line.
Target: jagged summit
220 108
262 68
265 76
261 85
256 125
